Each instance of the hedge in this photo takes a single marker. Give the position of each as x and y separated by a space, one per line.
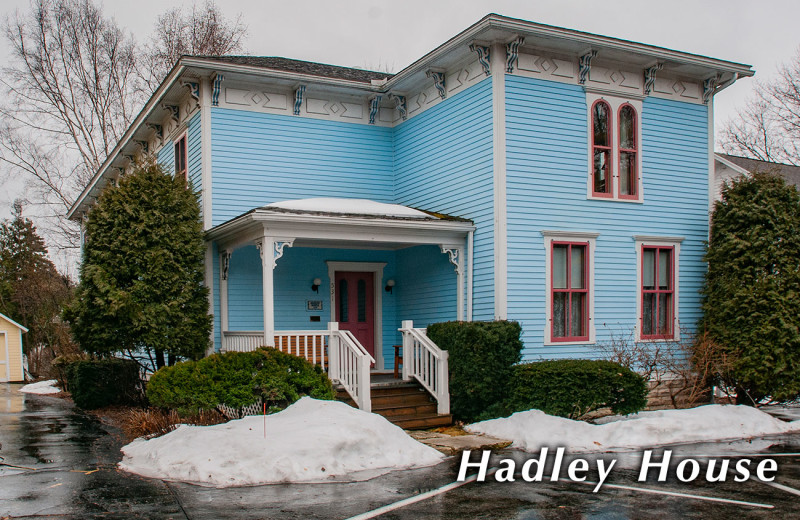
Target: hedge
95 383
574 387
481 360
237 380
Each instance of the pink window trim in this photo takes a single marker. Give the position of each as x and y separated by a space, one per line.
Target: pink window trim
634 151
570 291
671 290
610 172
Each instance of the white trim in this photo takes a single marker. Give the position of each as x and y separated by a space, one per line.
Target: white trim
675 243
568 236
363 267
498 59
614 103
733 166
470 272
8 360
205 150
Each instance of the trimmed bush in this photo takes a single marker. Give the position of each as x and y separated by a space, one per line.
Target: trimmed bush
574 387
95 383
238 379
482 358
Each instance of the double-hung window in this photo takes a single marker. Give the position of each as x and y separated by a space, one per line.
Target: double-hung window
657 298
615 149
569 287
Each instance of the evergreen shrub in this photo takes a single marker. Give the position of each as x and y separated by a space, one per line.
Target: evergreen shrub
482 356
573 387
238 379
95 383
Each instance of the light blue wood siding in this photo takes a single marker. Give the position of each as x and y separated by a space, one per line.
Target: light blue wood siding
194 150
443 162
261 158
426 286
547 167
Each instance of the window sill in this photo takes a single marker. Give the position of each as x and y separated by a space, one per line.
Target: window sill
615 199
579 342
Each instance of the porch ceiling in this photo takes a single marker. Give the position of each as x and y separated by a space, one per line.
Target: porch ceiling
312 228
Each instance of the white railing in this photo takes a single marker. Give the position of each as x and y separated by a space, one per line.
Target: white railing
338 352
349 364
427 363
311 345
242 341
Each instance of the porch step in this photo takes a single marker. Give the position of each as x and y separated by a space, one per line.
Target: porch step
405 404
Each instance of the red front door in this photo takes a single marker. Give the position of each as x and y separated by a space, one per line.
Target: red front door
355 309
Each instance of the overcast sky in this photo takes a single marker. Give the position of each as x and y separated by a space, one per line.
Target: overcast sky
381 34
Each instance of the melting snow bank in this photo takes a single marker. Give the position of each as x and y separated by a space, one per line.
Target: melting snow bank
310 441
534 429
42 387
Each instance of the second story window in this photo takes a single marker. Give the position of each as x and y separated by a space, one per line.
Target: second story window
601 150
628 164
615 151
181 158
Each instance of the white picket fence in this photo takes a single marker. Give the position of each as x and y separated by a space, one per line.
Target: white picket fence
427 363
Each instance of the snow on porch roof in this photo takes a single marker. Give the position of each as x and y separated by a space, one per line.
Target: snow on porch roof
359 207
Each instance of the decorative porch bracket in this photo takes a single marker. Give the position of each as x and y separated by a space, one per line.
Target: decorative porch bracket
266 245
456 256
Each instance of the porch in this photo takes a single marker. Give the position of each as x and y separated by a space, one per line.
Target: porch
342 289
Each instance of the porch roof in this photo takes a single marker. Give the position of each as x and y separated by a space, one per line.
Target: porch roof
355 223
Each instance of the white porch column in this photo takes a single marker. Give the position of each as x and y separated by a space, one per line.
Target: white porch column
271 249
224 263
456 255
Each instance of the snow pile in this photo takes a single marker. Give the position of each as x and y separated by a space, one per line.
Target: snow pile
534 429
350 206
42 387
310 441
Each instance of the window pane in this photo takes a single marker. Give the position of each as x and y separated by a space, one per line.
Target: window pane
578 313
648 313
343 314
362 301
664 269
648 269
600 123
627 128
602 159
627 173
665 313
559 315
559 267
577 267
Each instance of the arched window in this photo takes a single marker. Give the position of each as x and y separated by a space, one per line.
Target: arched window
601 150
628 176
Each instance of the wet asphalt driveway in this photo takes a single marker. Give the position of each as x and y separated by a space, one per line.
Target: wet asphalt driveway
69 471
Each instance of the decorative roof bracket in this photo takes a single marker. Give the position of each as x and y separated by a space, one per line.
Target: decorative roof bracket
298 98
585 65
374 106
216 85
512 53
400 105
650 77
174 111
483 56
709 86
438 81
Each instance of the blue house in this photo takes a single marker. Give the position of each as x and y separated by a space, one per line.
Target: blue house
518 171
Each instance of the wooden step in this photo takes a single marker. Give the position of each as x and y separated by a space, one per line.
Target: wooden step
405 404
423 421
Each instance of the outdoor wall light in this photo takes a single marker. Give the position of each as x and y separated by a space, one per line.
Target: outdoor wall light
389 285
315 284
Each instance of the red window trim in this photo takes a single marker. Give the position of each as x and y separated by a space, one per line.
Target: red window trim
610 148
671 290
634 150
570 291
185 171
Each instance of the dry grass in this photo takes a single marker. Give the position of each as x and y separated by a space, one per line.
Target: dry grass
153 422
